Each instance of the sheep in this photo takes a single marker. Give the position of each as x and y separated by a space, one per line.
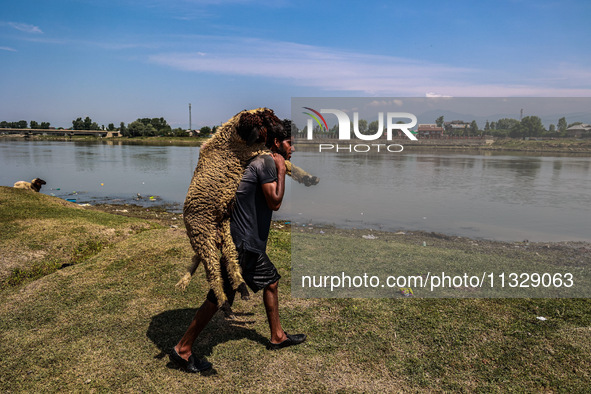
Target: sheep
34 185
206 211
207 207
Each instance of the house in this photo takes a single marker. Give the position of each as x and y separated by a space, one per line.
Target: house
430 131
456 126
579 130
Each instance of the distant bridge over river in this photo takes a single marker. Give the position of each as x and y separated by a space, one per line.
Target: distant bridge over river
28 132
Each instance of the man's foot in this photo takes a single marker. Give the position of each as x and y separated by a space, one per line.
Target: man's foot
290 341
193 365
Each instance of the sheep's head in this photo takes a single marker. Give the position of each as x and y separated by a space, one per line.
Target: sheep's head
253 126
37 183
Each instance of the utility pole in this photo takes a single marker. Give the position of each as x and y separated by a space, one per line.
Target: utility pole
190 129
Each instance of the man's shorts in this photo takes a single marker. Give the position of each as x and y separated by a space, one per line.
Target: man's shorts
257 271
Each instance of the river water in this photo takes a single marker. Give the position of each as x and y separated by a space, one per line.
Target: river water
498 196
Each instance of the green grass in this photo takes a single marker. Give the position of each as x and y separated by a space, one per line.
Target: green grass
555 145
105 323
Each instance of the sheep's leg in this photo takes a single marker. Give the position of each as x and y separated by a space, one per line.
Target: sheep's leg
299 175
211 263
230 256
202 232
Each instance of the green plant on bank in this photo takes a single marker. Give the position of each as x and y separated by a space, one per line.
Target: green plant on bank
106 323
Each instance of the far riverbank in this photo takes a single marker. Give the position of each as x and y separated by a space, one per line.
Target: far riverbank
576 146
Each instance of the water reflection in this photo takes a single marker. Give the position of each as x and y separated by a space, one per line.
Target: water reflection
489 196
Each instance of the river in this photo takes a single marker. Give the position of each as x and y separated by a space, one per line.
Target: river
498 196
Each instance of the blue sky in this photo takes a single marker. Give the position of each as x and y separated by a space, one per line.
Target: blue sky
117 61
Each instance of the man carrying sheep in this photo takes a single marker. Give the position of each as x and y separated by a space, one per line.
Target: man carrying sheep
260 192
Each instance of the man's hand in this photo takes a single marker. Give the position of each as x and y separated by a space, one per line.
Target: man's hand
279 163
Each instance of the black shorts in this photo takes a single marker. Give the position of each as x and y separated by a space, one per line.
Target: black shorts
257 271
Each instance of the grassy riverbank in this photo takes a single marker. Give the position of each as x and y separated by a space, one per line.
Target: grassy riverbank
87 303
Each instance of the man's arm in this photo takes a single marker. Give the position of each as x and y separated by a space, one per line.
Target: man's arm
274 191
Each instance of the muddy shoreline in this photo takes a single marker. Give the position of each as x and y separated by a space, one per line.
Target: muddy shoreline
565 252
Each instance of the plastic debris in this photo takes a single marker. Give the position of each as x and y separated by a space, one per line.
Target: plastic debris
406 291
424 243
542 318
370 236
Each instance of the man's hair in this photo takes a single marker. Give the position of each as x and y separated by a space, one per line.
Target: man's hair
281 133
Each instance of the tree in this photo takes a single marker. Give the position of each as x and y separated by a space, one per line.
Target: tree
34 125
111 127
179 132
21 124
140 128
530 126
373 127
160 125
205 130
473 128
552 129
487 126
439 121
562 126
44 125
506 124
78 124
87 124
362 125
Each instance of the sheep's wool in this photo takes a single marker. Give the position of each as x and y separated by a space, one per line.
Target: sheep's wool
220 167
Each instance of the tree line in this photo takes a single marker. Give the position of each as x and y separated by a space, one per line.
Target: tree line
23 124
142 127
529 126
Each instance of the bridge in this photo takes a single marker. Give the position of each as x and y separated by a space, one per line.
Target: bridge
29 132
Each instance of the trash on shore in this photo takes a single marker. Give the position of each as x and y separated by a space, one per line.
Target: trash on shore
370 236
406 292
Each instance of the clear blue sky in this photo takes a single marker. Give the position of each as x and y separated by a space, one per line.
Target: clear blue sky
119 60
